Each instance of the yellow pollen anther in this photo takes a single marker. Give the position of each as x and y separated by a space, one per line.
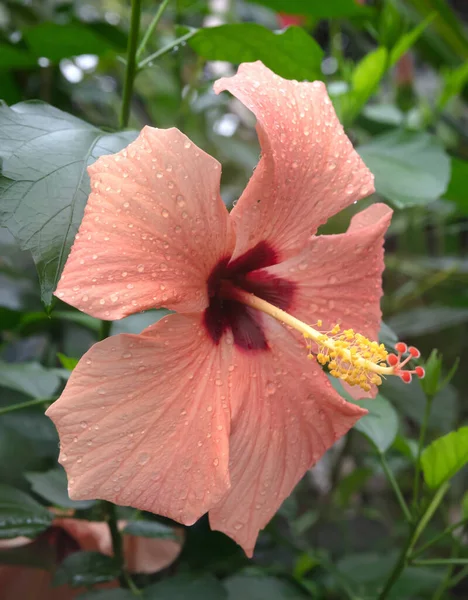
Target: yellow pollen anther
348 355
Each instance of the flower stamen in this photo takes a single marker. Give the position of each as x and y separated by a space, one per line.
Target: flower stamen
348 355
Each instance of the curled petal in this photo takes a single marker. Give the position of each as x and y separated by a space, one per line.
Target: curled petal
309 169
285 415
154 227
338 278
144 421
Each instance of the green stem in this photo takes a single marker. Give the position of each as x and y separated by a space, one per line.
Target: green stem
438 537
131 63
440 561
413 537
422 438
165 49
396 488
149 32
29 403
117 547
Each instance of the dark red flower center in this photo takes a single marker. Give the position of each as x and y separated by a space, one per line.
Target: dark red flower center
224 314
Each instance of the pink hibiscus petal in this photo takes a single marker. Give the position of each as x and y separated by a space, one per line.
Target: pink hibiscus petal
309 169
142 555
338 278
285 415
154 227
143 421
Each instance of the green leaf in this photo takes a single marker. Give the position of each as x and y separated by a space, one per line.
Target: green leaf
150 529
20 515
259 588
365 572
457 190
291 53
29 378
67 362
317 8
118 594
45 186
442 459
14 58
446 23
56 41
425 320
86 569
454 80
408 40
52 486
410 168
380 426
364 81
184 587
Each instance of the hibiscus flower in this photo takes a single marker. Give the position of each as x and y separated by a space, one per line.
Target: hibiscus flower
69 535
216 408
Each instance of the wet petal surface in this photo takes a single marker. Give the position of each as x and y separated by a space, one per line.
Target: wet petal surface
144 421
308 170
154 227
285 415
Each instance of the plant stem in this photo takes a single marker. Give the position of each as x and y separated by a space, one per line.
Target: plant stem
149 32
130 71
440 561
166 49
117 547
438 537
396 488
422 438
415 532
21 405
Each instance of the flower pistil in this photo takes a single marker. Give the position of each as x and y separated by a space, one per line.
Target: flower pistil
348 355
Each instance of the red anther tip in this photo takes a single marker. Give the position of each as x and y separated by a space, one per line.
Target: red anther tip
392 360
401 347
414 352
405 376
420 372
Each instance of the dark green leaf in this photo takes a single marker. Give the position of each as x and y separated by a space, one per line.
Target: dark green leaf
118 594
86 569
261 588
442 459
424 320
410 168
45 186
317 8
14 58
380 426
291 53
184 587
410 400
20 515
56 41
457 190
52 486
29 378
150 529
